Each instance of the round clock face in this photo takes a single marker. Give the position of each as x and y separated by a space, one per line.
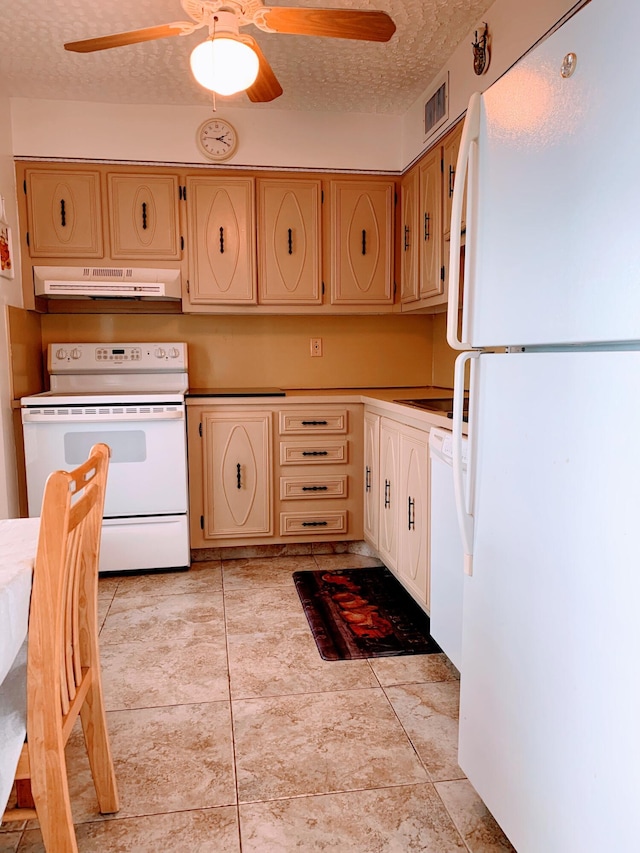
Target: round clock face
217 139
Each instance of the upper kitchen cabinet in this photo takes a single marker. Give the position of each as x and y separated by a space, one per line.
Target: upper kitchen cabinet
409 278
427 217
143 217
64 215
222 241
289 242
362 235
450 148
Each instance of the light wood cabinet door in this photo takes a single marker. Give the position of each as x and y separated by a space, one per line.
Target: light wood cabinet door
450 148
64 214
413 516
430 236
237 466
222 246
410 238
143 217
362 242
389 494
371 477
289 265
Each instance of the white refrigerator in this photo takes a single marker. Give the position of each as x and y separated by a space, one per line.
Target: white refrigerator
550 513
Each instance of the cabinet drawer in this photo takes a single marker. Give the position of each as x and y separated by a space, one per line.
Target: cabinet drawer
312 453
317 423
296 488
313 522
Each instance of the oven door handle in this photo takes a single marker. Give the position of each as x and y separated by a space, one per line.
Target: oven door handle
37 417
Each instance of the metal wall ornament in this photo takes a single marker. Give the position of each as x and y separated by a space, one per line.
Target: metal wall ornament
480 48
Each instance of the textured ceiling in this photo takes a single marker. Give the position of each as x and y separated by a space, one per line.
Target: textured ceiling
315 73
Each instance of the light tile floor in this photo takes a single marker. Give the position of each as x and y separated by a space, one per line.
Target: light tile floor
231 735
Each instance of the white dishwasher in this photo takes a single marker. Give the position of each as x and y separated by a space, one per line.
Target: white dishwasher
447 556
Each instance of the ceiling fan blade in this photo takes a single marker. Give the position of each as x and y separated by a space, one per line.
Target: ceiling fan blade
266 88
366 25
132 37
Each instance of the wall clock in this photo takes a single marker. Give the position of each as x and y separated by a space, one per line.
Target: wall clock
217 139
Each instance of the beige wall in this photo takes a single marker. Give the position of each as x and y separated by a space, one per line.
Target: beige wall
235 351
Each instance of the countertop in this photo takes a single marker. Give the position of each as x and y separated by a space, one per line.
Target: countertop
381 400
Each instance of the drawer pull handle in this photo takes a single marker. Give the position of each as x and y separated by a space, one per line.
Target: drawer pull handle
63 214
364 242
239 475
367 479
452 174
315 488
387 494
427 220
290 240
315 523
315 423
412 514
144 215
221 240
315 452
406 238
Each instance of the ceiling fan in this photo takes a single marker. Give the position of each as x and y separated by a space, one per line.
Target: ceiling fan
223 19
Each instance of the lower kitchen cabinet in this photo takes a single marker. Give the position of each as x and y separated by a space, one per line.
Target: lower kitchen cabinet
400 531
271 474
236 474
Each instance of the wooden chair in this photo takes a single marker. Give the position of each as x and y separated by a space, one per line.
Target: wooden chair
63 664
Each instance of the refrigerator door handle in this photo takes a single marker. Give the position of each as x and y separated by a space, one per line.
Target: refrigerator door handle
467 164
463 498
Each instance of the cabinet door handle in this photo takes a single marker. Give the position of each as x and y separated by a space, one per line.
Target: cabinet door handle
144 215
364 241
63 213
367 479
412 514
315 523
314 423
290 241
315 488
239 476
427 222
221 240
387 494
406 237
315 452
452 173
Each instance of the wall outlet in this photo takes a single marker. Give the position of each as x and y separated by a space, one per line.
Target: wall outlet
316 346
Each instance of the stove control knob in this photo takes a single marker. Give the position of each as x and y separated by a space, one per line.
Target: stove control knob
61 353
160 353
75 353
174 352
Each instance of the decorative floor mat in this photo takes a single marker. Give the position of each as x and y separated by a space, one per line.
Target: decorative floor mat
363 613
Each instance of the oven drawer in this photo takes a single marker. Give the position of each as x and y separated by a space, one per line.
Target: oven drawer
313 452
313 522
301 488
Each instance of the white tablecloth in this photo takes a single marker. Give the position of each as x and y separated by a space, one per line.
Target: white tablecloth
18 542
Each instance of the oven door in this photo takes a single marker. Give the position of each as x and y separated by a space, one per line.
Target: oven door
148 466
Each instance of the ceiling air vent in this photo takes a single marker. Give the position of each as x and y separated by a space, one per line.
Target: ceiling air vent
436 108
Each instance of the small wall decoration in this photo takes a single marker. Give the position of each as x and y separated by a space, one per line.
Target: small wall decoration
6 253
481 51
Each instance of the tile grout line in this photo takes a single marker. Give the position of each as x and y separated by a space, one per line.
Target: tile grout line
231 719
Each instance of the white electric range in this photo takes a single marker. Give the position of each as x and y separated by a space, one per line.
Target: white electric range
131 397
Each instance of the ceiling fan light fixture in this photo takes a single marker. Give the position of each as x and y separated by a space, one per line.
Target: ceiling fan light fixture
224 65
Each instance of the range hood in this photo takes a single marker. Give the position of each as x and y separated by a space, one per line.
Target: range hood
107 283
